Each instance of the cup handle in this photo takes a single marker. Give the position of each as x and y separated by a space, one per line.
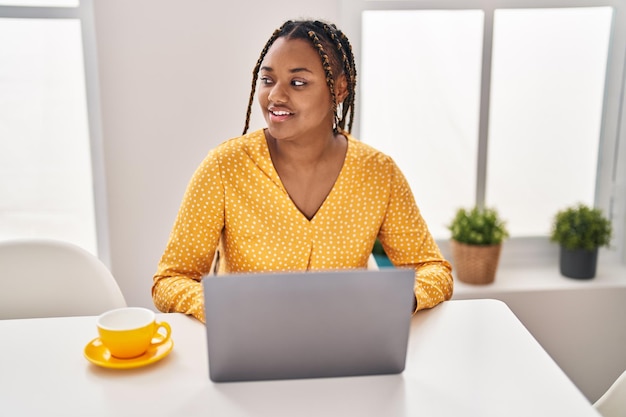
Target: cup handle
168 331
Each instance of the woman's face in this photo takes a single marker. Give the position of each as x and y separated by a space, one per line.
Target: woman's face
293 93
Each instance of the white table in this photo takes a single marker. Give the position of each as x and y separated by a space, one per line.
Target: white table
466 358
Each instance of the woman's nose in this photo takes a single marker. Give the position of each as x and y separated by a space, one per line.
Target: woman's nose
277 94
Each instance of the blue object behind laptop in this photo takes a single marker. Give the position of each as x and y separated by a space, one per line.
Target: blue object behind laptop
307 325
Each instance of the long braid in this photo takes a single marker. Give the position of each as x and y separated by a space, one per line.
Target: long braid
330 79
352 70
348 68
255 74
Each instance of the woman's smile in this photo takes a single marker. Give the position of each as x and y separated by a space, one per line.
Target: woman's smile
279 115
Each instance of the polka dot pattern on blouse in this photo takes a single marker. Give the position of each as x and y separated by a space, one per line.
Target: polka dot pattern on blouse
236 200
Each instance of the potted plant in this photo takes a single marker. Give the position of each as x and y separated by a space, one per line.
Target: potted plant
580 230
477 236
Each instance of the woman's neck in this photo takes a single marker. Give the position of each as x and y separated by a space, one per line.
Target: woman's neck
306 153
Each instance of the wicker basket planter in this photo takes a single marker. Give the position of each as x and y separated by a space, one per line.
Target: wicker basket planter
475 264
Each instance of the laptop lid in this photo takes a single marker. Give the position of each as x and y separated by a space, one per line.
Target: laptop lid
307 324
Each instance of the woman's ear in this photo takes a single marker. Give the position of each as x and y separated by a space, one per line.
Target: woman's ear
341 88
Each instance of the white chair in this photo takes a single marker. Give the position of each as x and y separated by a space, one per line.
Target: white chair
48 278
372 265
613 401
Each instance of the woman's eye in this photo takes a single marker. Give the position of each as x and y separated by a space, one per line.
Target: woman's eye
298 83
265 80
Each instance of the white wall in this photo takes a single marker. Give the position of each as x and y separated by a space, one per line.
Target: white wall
174 79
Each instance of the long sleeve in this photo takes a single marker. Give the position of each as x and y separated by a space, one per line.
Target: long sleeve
408 243
192 243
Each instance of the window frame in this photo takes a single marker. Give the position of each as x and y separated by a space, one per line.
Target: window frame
610 192
84 13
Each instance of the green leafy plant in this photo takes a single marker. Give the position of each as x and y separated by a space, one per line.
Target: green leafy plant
581 227
478 226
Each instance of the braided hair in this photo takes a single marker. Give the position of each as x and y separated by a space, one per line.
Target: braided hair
337 58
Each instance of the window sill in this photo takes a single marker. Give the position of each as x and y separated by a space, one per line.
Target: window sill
531 264
545 277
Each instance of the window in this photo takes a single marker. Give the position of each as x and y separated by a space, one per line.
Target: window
509 105
49 141
547 88
421 97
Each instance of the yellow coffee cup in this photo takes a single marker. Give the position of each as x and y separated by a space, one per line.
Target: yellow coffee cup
131 331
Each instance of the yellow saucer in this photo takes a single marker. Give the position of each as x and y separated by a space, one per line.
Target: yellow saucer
98 354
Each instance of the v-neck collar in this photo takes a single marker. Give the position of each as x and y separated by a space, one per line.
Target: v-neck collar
258 151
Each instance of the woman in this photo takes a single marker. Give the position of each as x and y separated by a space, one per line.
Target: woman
301 194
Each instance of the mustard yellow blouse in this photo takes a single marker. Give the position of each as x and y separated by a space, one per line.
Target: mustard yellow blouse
237 196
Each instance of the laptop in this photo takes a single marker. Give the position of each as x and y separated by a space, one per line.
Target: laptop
267 326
